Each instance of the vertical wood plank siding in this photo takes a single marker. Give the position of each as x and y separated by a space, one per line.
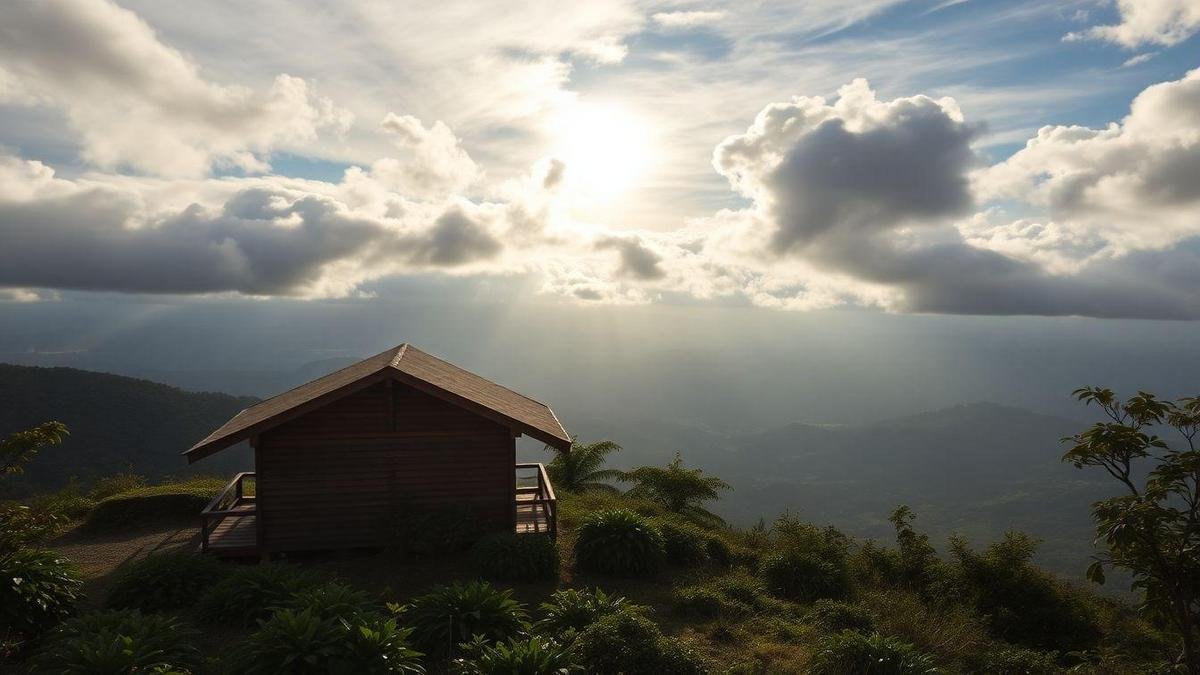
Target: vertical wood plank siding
344 474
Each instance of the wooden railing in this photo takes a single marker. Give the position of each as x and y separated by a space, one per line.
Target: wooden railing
233 502
536 493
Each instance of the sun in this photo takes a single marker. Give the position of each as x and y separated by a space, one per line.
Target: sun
606 149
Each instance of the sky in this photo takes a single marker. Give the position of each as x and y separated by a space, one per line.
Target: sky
757 166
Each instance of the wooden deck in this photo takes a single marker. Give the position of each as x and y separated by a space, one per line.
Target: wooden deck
230 521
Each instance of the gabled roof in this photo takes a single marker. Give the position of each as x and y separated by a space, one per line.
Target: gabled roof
406 364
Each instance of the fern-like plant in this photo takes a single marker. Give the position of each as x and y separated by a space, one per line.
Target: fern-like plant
249 594
619 543
164 581
579 469
678 488
572 610
852 653
119 641
37 590
303 641
449 615
532 656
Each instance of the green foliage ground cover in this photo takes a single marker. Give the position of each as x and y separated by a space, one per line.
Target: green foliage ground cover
644 590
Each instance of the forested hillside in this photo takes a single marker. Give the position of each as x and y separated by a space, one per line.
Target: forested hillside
116 423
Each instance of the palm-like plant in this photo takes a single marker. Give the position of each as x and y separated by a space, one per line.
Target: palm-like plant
679 489
578 469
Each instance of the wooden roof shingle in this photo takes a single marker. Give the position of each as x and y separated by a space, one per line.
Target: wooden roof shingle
406 364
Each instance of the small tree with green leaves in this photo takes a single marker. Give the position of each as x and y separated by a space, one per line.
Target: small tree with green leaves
19 448
1153 528
679 489
579 468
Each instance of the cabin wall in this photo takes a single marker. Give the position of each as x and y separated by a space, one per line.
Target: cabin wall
345 474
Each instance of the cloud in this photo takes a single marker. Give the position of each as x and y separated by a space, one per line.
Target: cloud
881 192
637 261
1135 183
689 19
432 162
254 237
1138 60
1160 22
137 103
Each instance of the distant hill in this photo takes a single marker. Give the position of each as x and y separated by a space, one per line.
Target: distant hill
116 423
976 469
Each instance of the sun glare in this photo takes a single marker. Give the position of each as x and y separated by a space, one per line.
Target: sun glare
606 149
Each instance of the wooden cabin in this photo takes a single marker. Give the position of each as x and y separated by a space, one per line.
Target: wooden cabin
339 461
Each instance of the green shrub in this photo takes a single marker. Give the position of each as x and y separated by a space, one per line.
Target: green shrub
718 549
249 594
1023 604
506 556
448 615
804 575
301 641
22 526
115 485
852 653
706 604
169 502
37 590
573 610
119 641
532 656
627 642
620 543
685 544
838 616
335 600
1012 660
164 581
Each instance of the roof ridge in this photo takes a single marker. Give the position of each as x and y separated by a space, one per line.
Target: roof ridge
507 388
400 350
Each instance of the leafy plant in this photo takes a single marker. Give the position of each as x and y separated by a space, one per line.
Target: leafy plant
620 543
163 581
804 575
1010 660
532 656
686 545
115 485
1021 603
838 616
679 489
451 614
578 469
706 604
852 653
18 449
302 641
516 557
334 600
37 590
1153 529
574 610
119 641
249 594
627 642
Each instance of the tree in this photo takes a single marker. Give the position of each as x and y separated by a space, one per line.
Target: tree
679 489
578 468
1153 528
19 448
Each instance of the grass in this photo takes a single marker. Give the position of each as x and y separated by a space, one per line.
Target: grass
750 631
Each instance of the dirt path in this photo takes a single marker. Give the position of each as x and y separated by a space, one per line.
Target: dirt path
98 555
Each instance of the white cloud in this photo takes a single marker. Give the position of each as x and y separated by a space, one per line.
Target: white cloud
136 102
1160 22
432 162
687 19
1138 60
